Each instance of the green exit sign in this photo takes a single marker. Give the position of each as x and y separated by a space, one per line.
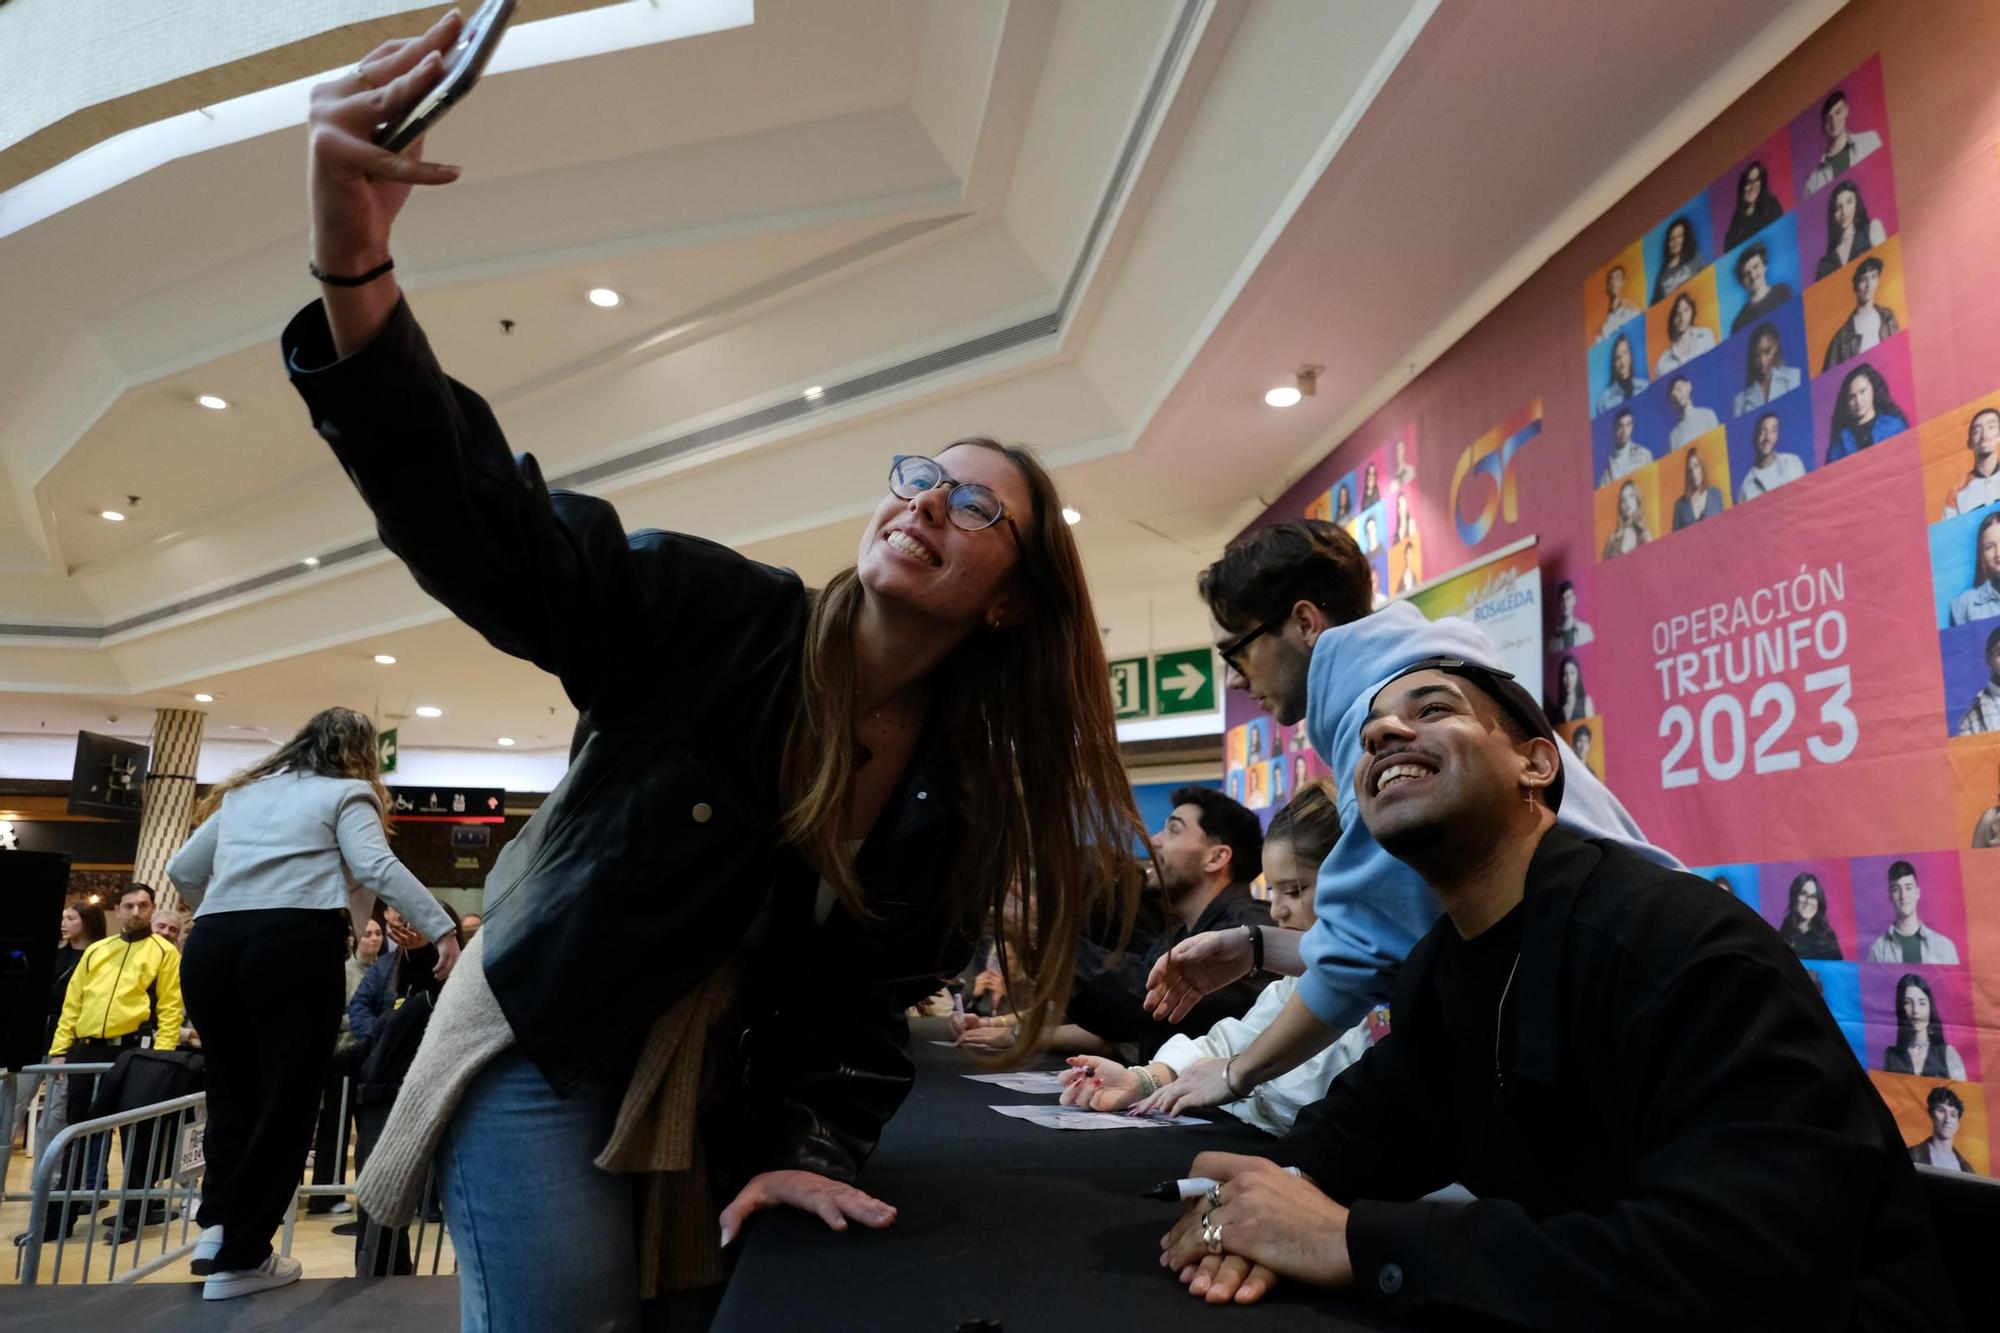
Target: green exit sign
1184 682
1130 697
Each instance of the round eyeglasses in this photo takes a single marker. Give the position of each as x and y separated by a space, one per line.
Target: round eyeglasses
970 505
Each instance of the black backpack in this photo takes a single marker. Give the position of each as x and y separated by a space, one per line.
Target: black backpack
393 1047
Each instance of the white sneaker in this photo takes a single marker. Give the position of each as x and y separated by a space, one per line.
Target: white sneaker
202 1262
277 1270
343 1207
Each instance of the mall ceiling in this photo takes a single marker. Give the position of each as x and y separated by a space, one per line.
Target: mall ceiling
844 230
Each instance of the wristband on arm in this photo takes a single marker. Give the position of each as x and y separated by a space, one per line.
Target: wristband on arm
1256 948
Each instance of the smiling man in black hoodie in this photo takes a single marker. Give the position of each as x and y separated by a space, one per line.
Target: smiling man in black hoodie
1661 1122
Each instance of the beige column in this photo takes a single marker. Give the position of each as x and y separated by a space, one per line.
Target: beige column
168 807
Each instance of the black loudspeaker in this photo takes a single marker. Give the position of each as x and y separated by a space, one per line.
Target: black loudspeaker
32 887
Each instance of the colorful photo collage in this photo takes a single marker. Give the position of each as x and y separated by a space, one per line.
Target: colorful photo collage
1885 940
1377 504
1961 467
1266 764
1572 647
1718 371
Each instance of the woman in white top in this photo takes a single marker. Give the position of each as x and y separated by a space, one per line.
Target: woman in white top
287 849
1299 839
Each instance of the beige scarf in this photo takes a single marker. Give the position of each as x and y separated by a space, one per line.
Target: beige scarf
679 1235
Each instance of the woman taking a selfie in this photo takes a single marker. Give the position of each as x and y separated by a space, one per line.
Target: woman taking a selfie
797 808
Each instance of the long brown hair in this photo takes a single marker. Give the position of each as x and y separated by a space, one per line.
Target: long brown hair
336 743
1044 792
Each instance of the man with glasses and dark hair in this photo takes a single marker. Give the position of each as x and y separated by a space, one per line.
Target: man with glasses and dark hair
1288 611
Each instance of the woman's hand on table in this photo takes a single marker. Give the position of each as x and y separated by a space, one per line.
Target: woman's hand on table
834 1203
1203 1083
989 1034
1099 1084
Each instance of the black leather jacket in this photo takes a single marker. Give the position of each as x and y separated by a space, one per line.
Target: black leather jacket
662 838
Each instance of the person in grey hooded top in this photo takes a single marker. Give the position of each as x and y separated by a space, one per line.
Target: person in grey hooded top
1289 611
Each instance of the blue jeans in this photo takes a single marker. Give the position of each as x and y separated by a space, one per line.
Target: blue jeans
544 1238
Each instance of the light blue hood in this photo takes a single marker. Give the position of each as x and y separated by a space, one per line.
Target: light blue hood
1372 908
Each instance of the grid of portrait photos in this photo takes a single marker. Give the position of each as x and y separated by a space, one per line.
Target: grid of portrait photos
1885 941
1718 369
1265 764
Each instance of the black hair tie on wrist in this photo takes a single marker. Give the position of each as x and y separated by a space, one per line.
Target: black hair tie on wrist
343 280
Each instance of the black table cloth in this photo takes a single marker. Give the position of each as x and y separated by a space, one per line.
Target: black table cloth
1038 1229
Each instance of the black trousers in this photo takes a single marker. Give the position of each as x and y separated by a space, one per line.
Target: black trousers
268 987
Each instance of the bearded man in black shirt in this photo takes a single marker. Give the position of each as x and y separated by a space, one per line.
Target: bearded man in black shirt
1659 1119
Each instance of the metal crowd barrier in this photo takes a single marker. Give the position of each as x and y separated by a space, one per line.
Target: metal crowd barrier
76 1169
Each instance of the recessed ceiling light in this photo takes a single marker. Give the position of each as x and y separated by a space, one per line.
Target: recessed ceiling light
1072 515
383 659
1283 396
603 297
505 740
310 562
112 516
428 711
204 698
816 392
212 403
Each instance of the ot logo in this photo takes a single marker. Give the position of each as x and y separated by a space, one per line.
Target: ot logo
1483 482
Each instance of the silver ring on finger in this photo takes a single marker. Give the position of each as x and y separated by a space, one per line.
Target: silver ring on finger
1215 1195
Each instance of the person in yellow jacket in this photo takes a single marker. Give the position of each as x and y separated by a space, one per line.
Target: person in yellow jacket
120 983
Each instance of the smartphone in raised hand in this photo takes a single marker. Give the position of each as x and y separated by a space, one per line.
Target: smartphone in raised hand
464 62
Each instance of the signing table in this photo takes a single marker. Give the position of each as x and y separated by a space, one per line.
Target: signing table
1040 1230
